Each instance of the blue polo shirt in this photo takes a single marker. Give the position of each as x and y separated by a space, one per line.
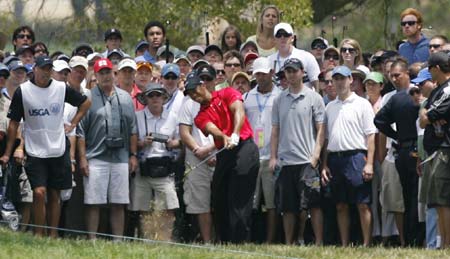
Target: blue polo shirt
417 52
149 58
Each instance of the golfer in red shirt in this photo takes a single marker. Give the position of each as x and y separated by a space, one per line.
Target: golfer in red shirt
222 115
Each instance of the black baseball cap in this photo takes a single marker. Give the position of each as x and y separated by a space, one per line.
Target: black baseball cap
43 61
112 32
294 63
192 81
206 70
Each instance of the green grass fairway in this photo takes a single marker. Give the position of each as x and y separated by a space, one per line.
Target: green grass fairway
20 245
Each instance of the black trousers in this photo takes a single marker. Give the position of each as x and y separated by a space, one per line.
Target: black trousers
406 167
233 188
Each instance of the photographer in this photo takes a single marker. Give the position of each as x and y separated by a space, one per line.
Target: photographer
157 136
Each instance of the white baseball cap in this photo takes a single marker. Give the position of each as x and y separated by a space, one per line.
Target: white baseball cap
283 26
127 62
60 65
78 61
261 65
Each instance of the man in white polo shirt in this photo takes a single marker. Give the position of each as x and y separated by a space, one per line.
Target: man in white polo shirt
296 143
348 162
258 107
284 37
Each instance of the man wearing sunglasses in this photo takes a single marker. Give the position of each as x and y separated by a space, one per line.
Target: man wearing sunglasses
22 36
415 49
318 45
284 37
170 80
437 43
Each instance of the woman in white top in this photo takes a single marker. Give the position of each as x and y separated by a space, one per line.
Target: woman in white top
264 38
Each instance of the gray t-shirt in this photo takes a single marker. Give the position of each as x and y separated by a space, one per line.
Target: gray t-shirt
296 116
116 111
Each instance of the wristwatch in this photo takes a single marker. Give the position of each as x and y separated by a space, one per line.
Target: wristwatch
133 154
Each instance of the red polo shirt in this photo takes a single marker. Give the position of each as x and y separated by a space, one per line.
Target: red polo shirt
137 105
218 112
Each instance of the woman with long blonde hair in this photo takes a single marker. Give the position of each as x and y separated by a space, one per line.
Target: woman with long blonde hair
264 38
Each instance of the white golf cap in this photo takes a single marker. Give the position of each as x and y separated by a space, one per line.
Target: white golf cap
60 65
261 65
283 26
78 61
127 62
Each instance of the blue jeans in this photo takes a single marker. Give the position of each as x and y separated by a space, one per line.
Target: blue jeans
431 228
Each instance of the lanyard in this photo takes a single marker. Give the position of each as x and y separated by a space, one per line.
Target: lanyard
261 108
172 99
106 115
278 59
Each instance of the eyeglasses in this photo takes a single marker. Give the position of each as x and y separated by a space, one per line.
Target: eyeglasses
154 94
334 57
434 46
232 64
170 77
23 36
350 50
220 72
410 23
282 34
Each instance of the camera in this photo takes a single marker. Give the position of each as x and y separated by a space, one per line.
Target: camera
158 137
114 142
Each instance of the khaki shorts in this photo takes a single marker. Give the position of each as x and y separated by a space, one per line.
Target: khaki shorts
439 186
391 196
107 183
265 185
147 193
197 187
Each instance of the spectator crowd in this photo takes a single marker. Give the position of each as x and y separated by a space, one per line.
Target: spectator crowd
251 140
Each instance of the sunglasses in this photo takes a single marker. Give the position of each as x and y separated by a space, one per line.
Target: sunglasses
410 23
154 94
423 83
170 77
334 57
220 71
4 75
283 34
232 64
350 50
23 36
319 46
430 67
434 46
326 82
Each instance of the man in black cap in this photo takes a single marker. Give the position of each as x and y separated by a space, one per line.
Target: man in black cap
40 102
222 115
318 45
113 40
213 54
197 184
435 118
83 49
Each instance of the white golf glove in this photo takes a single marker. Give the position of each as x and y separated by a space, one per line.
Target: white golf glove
234 139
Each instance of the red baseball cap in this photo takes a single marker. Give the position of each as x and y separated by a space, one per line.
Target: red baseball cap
101 64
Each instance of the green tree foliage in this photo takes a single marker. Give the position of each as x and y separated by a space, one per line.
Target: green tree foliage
187 17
